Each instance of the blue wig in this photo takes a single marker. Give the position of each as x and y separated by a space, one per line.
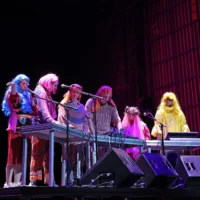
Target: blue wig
25 98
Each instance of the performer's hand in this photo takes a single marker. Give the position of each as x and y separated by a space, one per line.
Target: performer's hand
55 122
13 87
122 131
10 84
33 101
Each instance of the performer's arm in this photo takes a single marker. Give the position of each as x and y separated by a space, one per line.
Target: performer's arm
88 107
115 119
43 108
183 125
13 87
62 119
147 134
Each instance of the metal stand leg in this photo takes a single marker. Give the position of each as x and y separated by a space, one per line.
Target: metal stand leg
79 148
63 164
149 149
51 158
142 150
24 159
94 152
88 164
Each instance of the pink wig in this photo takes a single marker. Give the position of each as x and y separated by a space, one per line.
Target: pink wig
47 80
132 130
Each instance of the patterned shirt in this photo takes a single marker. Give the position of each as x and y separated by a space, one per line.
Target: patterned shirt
105 116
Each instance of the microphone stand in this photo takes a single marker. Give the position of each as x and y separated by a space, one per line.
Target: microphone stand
67 139
94 98
95 131
162 133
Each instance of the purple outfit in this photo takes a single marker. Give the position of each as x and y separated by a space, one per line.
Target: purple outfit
77 117
47 110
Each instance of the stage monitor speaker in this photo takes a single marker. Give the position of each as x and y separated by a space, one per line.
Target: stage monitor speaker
115 166
188 168
159 173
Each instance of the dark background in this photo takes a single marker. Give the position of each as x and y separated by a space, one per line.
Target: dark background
102 42
74 39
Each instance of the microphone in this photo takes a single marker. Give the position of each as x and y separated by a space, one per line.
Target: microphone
146 113
31 91
65 86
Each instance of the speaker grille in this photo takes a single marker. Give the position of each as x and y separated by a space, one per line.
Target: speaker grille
188 167
158 171
124 170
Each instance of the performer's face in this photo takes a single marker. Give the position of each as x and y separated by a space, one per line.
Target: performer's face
169 102
131 115
23 85
74 95
54 86
105 99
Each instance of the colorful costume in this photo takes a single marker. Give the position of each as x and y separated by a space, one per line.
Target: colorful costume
106 114
20 110
47 113
102 115
174 120
172 117
77 119
136 129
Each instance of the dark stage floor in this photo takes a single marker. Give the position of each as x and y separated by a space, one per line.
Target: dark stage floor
26 193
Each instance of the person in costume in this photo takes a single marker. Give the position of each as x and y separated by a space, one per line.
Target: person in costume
103 114
134 127
170 114
77 117
47 85
19 106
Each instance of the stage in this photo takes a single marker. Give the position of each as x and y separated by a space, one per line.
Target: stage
26 193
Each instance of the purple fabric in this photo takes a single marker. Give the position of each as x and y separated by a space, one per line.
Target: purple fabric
47 110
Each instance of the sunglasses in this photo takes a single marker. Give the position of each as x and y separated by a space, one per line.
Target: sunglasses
168 99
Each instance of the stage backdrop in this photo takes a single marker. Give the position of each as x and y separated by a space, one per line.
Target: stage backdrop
172 52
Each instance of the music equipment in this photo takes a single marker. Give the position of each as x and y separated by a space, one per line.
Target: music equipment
116 166
75 135
158 172
177 144
183 135
57 133
188 168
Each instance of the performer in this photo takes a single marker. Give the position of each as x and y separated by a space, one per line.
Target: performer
134 127
47 85
170 114
77 119
19 105
77 116
103 113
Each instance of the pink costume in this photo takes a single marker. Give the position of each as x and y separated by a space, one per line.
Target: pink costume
40 153
138 129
